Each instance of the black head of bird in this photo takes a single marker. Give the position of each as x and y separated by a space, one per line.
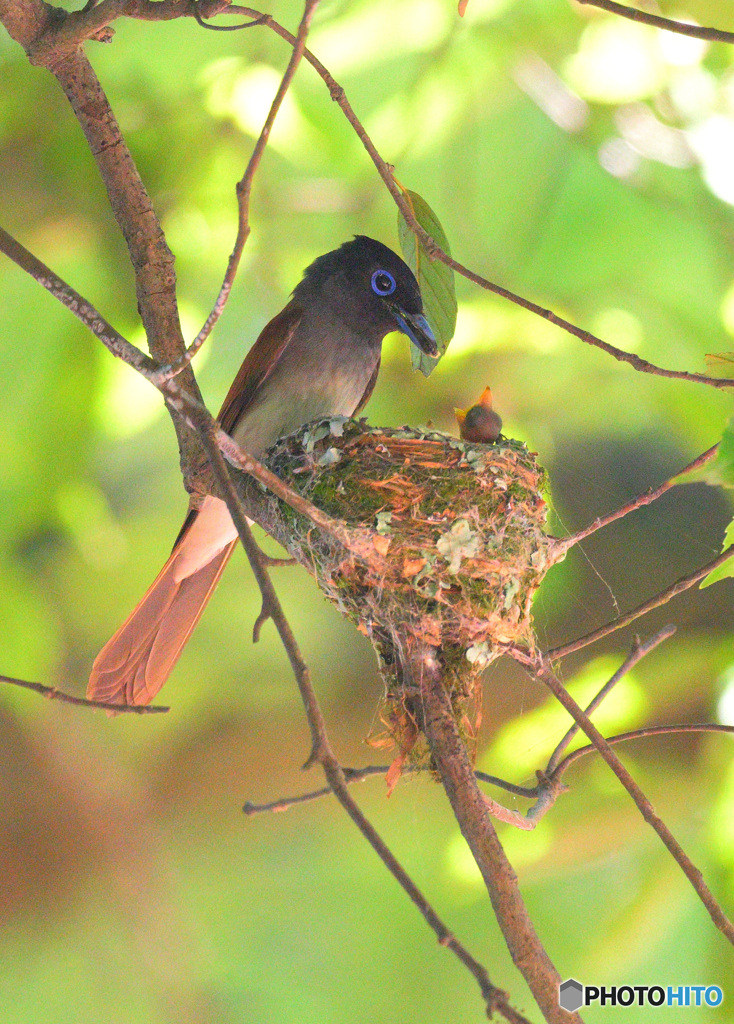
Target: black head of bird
368 287
479 424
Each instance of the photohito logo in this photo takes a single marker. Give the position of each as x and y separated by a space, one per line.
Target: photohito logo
572 995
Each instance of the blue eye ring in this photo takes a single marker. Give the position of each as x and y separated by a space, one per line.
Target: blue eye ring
383 283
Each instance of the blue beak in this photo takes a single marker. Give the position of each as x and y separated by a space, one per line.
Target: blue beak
416 327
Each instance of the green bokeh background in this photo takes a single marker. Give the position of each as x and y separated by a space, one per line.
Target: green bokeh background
574 158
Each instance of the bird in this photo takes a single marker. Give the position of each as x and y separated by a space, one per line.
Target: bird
480 424
319 357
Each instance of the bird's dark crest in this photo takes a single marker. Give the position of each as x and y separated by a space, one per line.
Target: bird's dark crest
357 259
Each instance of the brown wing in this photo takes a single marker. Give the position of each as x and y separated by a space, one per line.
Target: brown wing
369 389
258 365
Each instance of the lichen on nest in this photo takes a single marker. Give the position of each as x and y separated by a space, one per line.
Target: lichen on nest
460 544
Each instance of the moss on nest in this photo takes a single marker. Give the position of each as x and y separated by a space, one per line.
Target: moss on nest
460 544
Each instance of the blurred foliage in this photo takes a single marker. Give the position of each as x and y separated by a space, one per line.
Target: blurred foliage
578 159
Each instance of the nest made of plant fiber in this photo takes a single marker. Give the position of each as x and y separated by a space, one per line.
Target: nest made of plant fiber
460 528
459 542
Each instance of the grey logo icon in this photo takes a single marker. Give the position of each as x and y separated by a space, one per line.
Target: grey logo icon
571 995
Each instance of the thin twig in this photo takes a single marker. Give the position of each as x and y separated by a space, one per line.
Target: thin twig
67 698
225 28
541 669
715 35
79 306
680 585
244 186
638 652
360 774
639 502
276 806
350 775
528 792
641 734
510 787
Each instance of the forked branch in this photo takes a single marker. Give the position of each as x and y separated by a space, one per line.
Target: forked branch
540 668
244 186
639 651
339 96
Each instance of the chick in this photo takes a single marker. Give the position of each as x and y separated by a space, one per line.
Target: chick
480 424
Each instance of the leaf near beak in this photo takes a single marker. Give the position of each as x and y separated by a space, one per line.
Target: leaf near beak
435 279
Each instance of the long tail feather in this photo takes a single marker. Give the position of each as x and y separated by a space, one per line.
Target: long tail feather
135 663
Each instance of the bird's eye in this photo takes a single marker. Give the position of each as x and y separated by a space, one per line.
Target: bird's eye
383 283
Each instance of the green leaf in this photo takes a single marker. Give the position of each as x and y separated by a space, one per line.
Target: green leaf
720 471
725 570
435 279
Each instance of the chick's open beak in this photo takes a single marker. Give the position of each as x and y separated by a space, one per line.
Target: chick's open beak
416 327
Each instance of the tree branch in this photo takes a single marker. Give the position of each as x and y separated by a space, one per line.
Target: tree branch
639 502
244 186
433 713
66 698
339 96
165 10
638 652
529 792
81 308
540 668
641 734
684 583
715 35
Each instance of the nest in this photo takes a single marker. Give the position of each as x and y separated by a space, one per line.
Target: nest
460 548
